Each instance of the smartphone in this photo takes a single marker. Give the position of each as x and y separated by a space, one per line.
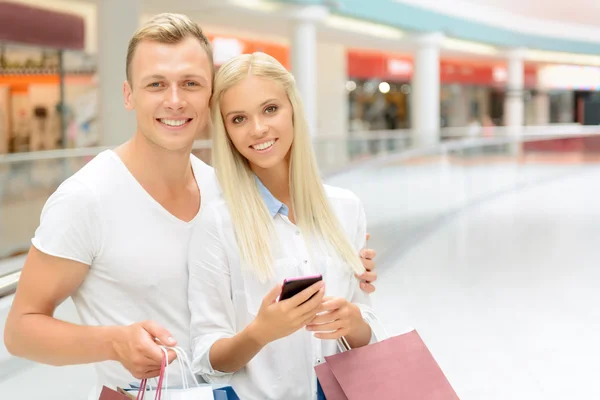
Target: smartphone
293 286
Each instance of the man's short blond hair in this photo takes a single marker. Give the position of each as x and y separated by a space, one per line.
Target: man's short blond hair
168 28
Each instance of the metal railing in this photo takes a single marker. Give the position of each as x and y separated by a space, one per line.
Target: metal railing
26 180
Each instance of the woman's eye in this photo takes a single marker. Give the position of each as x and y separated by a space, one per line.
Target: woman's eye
238 119
271 109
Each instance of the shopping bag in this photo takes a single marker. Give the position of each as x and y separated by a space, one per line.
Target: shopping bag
224 392
400 367
220 392
110 394
188 391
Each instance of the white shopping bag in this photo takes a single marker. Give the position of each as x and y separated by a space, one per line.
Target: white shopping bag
188 391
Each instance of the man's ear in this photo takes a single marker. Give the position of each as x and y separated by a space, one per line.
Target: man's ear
127 95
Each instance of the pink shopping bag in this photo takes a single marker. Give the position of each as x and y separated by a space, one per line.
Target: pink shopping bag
400 367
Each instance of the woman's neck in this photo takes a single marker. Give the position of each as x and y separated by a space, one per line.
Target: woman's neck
277 180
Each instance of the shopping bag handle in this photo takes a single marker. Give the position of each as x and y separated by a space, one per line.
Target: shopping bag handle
343 344
161 377
185 365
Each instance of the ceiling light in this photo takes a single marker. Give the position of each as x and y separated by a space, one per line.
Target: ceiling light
469 47
364 27
384 87
562 58
256 5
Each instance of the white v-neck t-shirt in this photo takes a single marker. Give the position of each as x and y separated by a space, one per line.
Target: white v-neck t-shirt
137 251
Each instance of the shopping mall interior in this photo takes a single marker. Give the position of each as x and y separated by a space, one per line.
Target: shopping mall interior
469 129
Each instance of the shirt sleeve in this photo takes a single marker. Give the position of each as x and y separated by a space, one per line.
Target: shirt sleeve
209 294
70 226
360 239
360 298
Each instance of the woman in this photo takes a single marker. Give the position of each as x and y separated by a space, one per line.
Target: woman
274 220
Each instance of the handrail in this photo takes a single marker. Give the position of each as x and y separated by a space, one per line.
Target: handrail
498 131
73 153
9 281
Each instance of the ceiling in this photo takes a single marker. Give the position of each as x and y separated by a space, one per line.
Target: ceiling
586 12
565 19
222 16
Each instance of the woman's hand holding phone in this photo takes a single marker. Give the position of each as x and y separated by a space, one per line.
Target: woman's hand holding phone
278 319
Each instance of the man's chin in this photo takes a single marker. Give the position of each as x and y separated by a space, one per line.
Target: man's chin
172 144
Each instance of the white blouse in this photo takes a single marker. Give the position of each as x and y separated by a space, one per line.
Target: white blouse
224 299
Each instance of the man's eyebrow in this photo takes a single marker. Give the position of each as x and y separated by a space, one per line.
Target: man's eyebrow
186 76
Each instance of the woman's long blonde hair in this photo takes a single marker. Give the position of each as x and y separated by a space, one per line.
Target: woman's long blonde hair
253 224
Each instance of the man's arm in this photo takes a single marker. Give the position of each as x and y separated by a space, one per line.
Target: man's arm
33 333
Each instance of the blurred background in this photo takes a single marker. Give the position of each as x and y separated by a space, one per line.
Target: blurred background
468 128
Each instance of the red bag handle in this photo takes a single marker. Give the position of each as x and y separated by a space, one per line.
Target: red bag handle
144 382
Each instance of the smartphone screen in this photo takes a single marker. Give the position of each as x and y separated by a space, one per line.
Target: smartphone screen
293 286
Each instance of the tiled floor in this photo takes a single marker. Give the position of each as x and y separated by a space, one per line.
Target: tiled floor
504 292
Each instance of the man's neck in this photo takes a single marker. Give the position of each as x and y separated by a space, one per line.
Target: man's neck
154 166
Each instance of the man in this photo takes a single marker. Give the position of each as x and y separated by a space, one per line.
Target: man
115 235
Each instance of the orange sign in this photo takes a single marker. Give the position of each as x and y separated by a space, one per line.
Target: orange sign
226 47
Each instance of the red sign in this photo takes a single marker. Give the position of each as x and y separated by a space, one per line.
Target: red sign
40 27
369 65
399 68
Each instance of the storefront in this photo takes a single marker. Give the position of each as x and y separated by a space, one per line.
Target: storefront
378 90
472 91
571 89
43 78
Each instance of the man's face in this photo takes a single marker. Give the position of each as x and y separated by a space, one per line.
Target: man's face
170 91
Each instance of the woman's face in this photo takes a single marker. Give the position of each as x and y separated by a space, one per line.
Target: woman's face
258 117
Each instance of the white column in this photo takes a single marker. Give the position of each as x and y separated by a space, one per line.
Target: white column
332 95
4 126
304 58
117 21
513 103
542 108
332 104
425 99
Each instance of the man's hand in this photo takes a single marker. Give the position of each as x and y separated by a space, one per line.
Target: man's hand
369 276
136 347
